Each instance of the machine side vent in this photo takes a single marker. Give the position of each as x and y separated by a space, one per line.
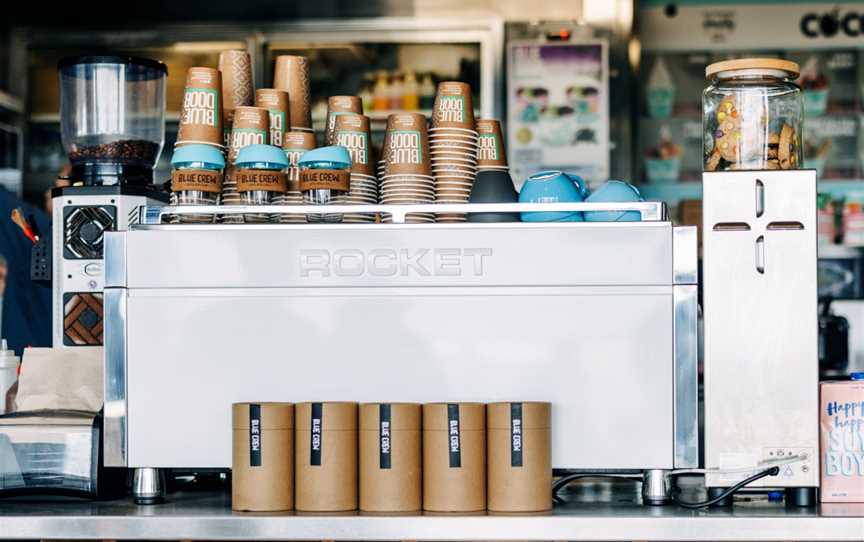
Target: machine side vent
83 319
84 230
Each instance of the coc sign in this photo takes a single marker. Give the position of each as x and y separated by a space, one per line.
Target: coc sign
830 24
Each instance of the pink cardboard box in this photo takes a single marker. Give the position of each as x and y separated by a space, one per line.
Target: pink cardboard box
841 420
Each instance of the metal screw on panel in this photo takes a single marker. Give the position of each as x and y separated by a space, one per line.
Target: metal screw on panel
92 284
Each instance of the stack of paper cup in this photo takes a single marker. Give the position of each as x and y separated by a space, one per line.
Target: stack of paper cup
237 86
491 155
276 102
407 175
251 126
381 164
453 143
201 112
294 145
292 75
352 131
336 106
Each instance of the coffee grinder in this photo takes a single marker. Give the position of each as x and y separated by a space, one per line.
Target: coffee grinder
112 122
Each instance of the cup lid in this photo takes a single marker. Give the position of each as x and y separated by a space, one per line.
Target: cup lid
208 154
333 153
261 153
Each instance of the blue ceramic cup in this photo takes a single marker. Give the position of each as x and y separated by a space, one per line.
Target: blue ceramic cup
552 187
614 192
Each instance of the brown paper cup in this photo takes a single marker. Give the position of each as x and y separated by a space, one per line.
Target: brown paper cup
454 457
390 457
336 106
352 131
262 463
276 102
326 457
519 456
491 152
407 145
251 127
201 112
237 85
291 74
454 106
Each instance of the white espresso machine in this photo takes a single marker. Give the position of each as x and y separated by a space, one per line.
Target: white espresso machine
597 317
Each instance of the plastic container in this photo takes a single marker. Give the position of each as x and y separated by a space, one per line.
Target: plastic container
196 179
325 179
390 457
260 177
112 115
262 464
9 363
326 457
454 457
752 115
519 451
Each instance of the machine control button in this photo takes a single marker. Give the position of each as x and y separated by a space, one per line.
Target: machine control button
93 269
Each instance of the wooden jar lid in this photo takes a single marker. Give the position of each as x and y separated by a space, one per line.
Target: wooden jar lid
753 64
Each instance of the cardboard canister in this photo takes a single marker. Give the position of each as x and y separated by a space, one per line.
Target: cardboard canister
262 462
519 456
454 457
390 457
326 457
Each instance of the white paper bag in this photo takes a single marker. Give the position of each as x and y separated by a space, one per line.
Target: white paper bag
60 379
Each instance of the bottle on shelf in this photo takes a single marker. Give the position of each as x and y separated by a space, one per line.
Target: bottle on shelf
365 93
410 93
396 92
427 92
380 93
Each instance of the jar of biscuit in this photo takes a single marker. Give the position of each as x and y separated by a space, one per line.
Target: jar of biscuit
752 115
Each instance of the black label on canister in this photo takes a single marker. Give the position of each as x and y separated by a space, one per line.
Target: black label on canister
384 436
317 439
515 434
254 435
454 439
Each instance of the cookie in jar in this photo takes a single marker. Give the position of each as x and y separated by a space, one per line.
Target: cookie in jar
752 114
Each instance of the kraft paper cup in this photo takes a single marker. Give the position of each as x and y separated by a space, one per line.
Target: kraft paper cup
291 74
491 152
454 106
276 102
336 106
237 85
454 457
326 457
519 458
407 145
201 111
352 131
262 457
251 127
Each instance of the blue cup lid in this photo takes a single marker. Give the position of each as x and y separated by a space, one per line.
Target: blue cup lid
262 153
208 154
335 154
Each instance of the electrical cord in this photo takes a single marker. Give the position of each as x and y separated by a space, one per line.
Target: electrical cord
778 462
773 471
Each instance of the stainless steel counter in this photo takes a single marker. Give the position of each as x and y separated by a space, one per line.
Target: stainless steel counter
595 511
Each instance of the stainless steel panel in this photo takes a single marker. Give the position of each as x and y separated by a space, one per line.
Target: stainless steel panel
114 380
539 254
686 305
685 255
204 349
761 359
115 259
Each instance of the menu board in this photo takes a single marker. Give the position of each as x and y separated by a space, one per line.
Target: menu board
558 108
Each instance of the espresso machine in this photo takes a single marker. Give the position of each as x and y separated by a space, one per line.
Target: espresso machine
112 121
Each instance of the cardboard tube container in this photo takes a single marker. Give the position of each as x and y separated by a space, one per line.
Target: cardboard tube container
454 457
263 457
326 457
519 456
390 457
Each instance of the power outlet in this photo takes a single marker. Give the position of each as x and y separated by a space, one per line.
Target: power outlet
800 473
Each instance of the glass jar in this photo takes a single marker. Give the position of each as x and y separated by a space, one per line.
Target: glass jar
260 176
752 115
325 179
196 179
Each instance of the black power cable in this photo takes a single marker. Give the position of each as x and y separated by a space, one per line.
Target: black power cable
773 471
